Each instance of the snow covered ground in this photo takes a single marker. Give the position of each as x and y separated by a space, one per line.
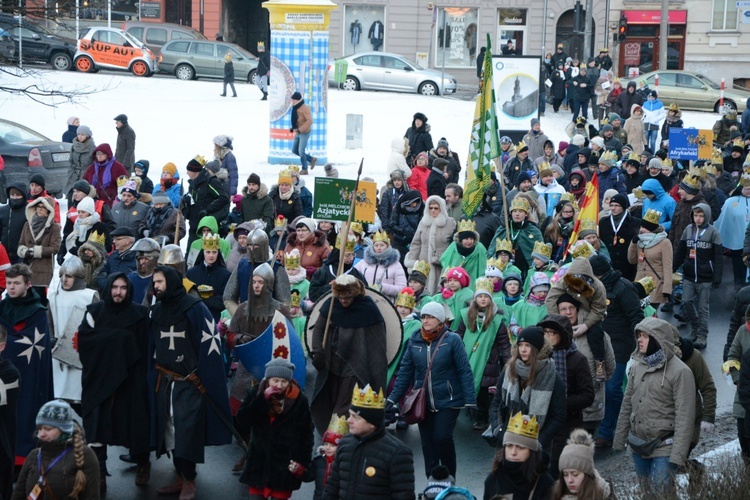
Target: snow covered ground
175 120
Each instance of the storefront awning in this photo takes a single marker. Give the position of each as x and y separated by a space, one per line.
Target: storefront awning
654 16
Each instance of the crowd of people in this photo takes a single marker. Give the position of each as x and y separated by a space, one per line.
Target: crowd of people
522 314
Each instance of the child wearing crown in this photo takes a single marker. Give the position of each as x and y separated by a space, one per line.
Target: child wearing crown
542 263
466 251
322 462
455 294
531 310
300 305
522 234
504 259
381 266
483 328
417 282
494 274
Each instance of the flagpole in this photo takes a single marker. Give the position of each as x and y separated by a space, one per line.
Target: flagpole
505 201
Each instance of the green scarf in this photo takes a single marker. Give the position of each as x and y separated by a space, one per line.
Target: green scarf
479 343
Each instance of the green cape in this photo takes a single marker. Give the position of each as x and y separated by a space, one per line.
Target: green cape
478 345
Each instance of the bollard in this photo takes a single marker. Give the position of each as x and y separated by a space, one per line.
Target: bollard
354 131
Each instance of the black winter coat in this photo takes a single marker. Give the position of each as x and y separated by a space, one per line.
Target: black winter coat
12 220
387 205
511 482
404 225
117 262
571 159
228 72
209 197
216 276
580 396
274 443
419 140
558 85
356 457
486 224
290 209
583 89
741 301
623 314
436 183
618 244
625 101
320 282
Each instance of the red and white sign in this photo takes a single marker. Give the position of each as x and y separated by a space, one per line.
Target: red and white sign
631 54
654 16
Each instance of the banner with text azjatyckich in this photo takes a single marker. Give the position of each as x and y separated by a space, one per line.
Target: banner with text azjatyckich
333 198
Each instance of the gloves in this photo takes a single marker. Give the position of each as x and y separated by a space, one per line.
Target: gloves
297 469
60 259
707 427
579 330
391 412
319 360
202 213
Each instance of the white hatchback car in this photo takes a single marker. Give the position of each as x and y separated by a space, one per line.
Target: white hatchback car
112 48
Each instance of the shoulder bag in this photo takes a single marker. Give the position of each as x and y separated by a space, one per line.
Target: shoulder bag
414 408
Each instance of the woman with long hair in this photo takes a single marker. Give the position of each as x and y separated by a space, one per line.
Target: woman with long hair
558 232
580 478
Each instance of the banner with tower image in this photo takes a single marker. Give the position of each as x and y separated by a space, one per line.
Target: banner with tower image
516 80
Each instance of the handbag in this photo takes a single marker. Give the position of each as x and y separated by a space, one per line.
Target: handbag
414 408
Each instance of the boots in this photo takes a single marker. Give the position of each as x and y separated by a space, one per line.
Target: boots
265 96
239 464
172 489
313 162
303 172
143 474
223 95
188 490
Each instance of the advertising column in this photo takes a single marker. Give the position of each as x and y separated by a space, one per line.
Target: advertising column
299 63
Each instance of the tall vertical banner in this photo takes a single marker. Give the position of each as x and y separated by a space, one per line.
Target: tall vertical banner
517 92
484 144
299 63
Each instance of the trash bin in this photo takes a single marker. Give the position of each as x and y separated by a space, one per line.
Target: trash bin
341 66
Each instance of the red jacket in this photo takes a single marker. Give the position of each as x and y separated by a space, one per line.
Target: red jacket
418 180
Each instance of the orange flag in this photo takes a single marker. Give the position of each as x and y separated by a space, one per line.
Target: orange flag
588 209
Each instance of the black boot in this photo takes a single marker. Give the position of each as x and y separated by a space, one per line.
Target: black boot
265 96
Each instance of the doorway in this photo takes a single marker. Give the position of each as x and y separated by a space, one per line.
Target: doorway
572 39
246 23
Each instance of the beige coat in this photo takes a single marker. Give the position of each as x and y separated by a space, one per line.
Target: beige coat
658 257
635 130
595 412
659 400
43 246
740 344
431 240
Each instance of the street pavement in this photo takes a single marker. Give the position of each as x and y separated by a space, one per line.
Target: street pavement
216 481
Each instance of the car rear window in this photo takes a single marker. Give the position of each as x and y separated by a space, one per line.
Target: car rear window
136 32
156 35
177 47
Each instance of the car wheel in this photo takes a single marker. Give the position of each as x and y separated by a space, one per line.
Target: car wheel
184 72
428 88
84 64
140 68
727 105
351 83
61 61
252 77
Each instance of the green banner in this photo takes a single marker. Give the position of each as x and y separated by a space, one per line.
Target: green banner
333 197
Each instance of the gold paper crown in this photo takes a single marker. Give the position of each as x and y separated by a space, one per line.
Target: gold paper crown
523 425
466 226
421 266
211 242
350 243
544 166
648 284
285 177
381 236
710 169
97 237
738 141
638 193
582 248
717 156
200 159
634 156
279 221
484 285
666 162
692 181
604 121
122 180
568 196
674 107
356 227
520 145
294 168
609 155
745 179
497 263
366 398
520 203
543 248
652 216
505 246
616 80
261 45
138 181
587 225
582 66
292 259
338 426
580 120
296 299
406 298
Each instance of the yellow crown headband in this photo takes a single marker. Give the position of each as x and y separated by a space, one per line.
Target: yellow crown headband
367 398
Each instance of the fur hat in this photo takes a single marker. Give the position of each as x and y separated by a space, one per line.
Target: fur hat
347 286
578 454
56 414
433 309
279 368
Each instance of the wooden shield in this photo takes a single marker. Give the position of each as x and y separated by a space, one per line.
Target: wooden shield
393 328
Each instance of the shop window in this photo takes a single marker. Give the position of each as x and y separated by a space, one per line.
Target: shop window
511 26
364 28
725 15
457 37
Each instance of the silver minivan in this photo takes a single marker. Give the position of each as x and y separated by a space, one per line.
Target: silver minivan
192 59
155 35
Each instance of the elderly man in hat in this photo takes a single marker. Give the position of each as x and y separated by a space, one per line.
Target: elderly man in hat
350 350
122 259
129 212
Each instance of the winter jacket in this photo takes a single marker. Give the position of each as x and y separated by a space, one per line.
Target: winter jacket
535 142
12 220
671 121
510 483
558 84
683 217
397 157
55 204
304 120
617 243
436 183
174 191
709 252
275 441
715 198
228 71
305 197
653 114
215 276
623 313
514 167
229 164
431 239
659 401
551 194
450 383
740 345
373 467
117 262
147 186
320 283
587 289
389 197
81 156
208 198
290 208
383 271
705 397
582 88
125 148
595 411
405 220
662 202
625 101
107 193
129 216
418 180
258 206
570 162
166 229
453 168
612 178
737 319
721 130
419 139
313 251
43 246
655 262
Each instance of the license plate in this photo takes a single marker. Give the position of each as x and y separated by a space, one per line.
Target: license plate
56 157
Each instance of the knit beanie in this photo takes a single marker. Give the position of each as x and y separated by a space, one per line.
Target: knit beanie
562 146
599 264
523 176
418 277
598 141
568 299
539 280
87 205
442 143
439 480
533 335
82 186
578 140
435 310
279 368
214 166
330 170
160 197
84 130
306 222
578 454
459 274
254 179
171 168
621 200
654 163
37 179
56 414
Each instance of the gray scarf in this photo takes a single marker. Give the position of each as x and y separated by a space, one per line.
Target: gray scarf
648 240
37 226
532 401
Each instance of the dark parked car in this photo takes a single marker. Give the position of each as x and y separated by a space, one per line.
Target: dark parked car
27 152
39 44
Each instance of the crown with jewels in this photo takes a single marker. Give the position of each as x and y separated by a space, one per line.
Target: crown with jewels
122 180
406 298
523 425
367 398
745 178
338 427
587 225
638 193
582 248
609 155
652 216
484 285
351 242
648 284
467 226
292 259
279 221
717 156
294 168
520 203
421 266
296 299
381 236
542 248
505 246
97 237
211 242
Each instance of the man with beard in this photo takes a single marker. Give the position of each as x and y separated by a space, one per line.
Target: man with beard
28 347
523 234
185 350
259 252
67 304
9 392
256 204
146 254
113 345
352 351
210 275
321 280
